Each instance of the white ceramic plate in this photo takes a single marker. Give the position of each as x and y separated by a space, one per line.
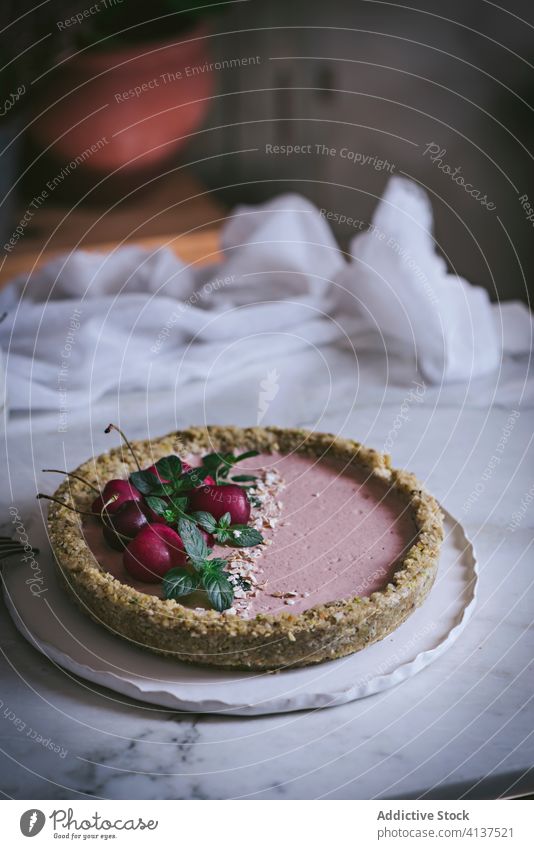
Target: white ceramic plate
72 640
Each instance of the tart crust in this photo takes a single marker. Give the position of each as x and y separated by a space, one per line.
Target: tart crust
269 641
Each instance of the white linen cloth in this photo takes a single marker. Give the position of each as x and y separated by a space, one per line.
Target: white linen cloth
144 320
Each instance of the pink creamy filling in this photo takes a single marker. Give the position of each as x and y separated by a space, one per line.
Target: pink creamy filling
341 534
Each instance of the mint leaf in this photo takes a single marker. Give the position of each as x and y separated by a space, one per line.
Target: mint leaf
246 455
219 465
169 467
170 509
158 505
223 536
145 482
205 520
216 564
244 537
239 478
194 542
226 464
177 504
191 479
214 461
218 588
163 489
239 536
178 582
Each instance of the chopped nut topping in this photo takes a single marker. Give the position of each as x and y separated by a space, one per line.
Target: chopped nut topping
245 565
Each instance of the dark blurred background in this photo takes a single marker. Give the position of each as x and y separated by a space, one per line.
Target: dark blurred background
123 120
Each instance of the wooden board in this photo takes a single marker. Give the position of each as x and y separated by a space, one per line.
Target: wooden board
196 248
176 211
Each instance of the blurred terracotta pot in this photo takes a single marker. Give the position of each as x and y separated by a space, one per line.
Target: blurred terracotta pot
128 108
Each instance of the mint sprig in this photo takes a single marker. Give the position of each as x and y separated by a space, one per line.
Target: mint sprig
166 493
240 536
210 576
170 509
175 481
218 465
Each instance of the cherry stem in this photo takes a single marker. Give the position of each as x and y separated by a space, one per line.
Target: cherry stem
76 477
58 501
105 508
111 427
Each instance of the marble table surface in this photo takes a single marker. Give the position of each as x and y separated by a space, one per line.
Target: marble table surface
463 726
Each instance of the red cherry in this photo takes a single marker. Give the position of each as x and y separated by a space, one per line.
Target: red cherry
119 489
124 524
113 539
219 500
155 550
